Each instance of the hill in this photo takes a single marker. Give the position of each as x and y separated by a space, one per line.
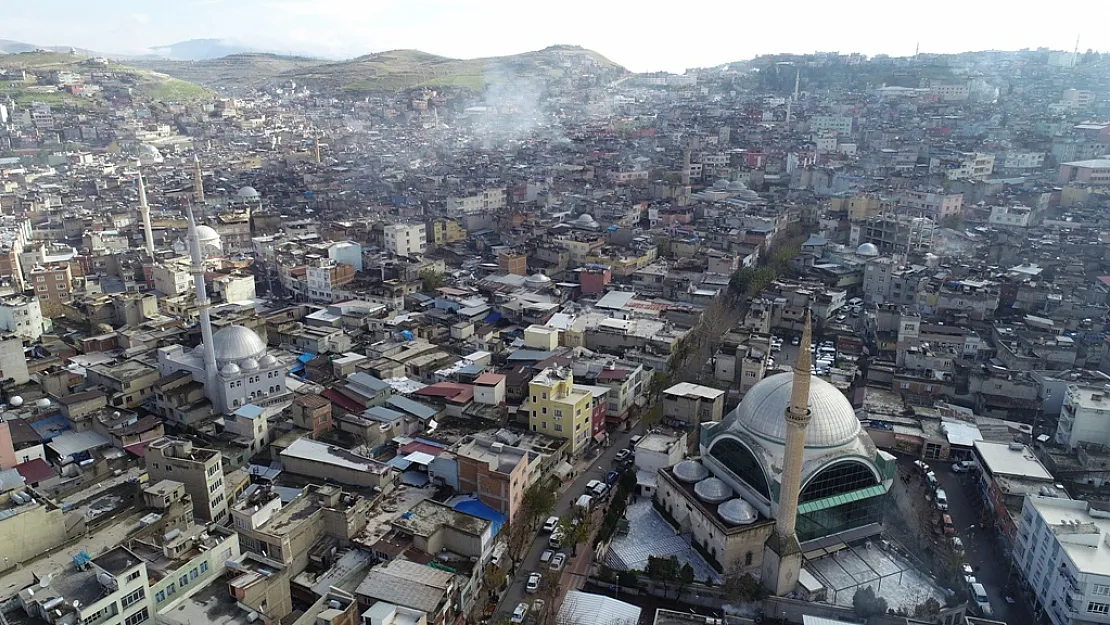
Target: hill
396 70
7 46
153 85
230 72
201 49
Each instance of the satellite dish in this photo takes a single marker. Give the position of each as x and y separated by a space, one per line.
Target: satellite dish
16 401
43 403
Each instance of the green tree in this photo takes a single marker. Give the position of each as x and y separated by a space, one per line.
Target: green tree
666 571
741 586
685 578
431 280
576 529
866 604
537 501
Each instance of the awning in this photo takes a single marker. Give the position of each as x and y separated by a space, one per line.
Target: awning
600 437
836 500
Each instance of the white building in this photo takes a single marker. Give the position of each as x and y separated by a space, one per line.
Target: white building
487 200
172 277
1062 551
13 362
405 239
1085 416
841 124
346 252
21 316
1010 216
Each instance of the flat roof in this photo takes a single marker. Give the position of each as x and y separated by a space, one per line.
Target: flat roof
307 449
691 390
1083 537
1000 459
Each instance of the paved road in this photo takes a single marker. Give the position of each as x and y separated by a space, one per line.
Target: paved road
983 548
598 469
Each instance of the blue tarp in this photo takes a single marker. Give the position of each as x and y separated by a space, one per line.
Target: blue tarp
51 426
475 507
493 317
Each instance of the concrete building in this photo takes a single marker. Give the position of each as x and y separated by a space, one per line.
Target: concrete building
1010 216
405 239
172 276
1084 416
128 383
328 462
688 404
30 524
429 591
497 473
1063 553
1095 172
22 316
512 263
1009 473
111 589
312 413
13 362
52 283
198 468
936 205
557 409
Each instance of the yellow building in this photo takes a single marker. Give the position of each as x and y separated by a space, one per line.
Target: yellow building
558 409
444 231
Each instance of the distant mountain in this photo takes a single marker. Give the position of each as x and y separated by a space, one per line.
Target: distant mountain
7 46
235 71
201 49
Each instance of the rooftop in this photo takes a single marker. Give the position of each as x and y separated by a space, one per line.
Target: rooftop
427 517
307 449
1013 460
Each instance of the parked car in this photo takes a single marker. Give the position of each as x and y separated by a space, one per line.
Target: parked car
555 541
921 466
597 488
931 479
551 523
795 340
545 557
533 583
519 613
558 561
623 455
982 602
947 526
612 478
968 573
942 499
964 466
957 544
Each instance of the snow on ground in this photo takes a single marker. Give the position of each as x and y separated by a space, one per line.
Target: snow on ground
892 578
650 535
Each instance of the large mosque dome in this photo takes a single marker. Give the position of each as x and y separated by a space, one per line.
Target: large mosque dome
833 420
236 343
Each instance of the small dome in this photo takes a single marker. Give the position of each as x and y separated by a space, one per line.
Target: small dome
234 343
537 281
207 235
268 361
690 471
737 185
43 403
198 351
103 328
230 369
248 193
867 249
16 401
149 155
721 184
737 512
248 364
712 490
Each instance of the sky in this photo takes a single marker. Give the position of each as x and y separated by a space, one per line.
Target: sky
642 36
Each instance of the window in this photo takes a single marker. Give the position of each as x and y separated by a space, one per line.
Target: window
1098 608
193 574
544 395
132 598
558 427
160 597
203 567
183 580
748 559
170 590
543 424
741 463
558 413
837 479
136 618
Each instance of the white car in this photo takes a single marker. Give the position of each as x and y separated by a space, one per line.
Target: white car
519 613
533 583
551 523
942 500
558 561
545 557
982 602
963 466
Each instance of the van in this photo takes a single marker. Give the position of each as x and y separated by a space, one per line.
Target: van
982 602
855 301
585 503
942 499
555 541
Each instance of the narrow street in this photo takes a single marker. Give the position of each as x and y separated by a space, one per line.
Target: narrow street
600 466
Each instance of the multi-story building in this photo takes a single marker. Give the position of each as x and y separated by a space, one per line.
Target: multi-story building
1084 416
1010 216
935 205
686 403
887 282
1094 172
895 234
1077 99
405 239
111 589
128 383
963 165
198 468
444 231
953 92
13 362
172 277
326 278
1062 549
841 124
30 523
497 473
52 283
22 316
625 380
488 200
557 409
512 263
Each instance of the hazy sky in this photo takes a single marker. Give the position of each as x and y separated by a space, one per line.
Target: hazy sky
642 36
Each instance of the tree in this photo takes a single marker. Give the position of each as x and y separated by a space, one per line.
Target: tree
537 501
866 604
741 586
927 609
519 537
576 529
666 571
685 578
431 280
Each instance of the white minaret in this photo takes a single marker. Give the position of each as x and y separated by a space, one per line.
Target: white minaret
198 180
782 553
196 254
144 210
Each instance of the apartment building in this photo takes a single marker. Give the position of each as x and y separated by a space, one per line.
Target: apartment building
935 205
480 202
841 124
52 283
1084 416
22 316
172 277
198 468
1062 549
111 589
405 239
557 409
686 403
497 473
30 524
127 383
1095 172
444 231
1010 216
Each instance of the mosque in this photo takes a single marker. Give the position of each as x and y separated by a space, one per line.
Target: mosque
788 473
233 364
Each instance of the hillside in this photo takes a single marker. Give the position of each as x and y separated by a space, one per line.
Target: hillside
153 85
230 72
396 70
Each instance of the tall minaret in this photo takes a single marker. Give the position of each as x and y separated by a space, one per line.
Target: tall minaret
197 256
782 554
144 210
198 181
316 146
797 84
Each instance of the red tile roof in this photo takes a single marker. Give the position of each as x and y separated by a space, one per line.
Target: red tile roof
489 379
35 471
341 400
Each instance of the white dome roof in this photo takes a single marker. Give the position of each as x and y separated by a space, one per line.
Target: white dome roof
712 490
267 361
230 369
537 279
690 471
206 234
721 184
248 192
737 512
234 343
867 249
737 185
833 421
248 364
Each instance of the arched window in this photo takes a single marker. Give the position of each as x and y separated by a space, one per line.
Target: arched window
740 462
838 479
748 559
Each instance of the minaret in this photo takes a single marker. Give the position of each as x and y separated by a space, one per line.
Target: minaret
197 256
782 554
797 84
144 210
198 181
316 147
